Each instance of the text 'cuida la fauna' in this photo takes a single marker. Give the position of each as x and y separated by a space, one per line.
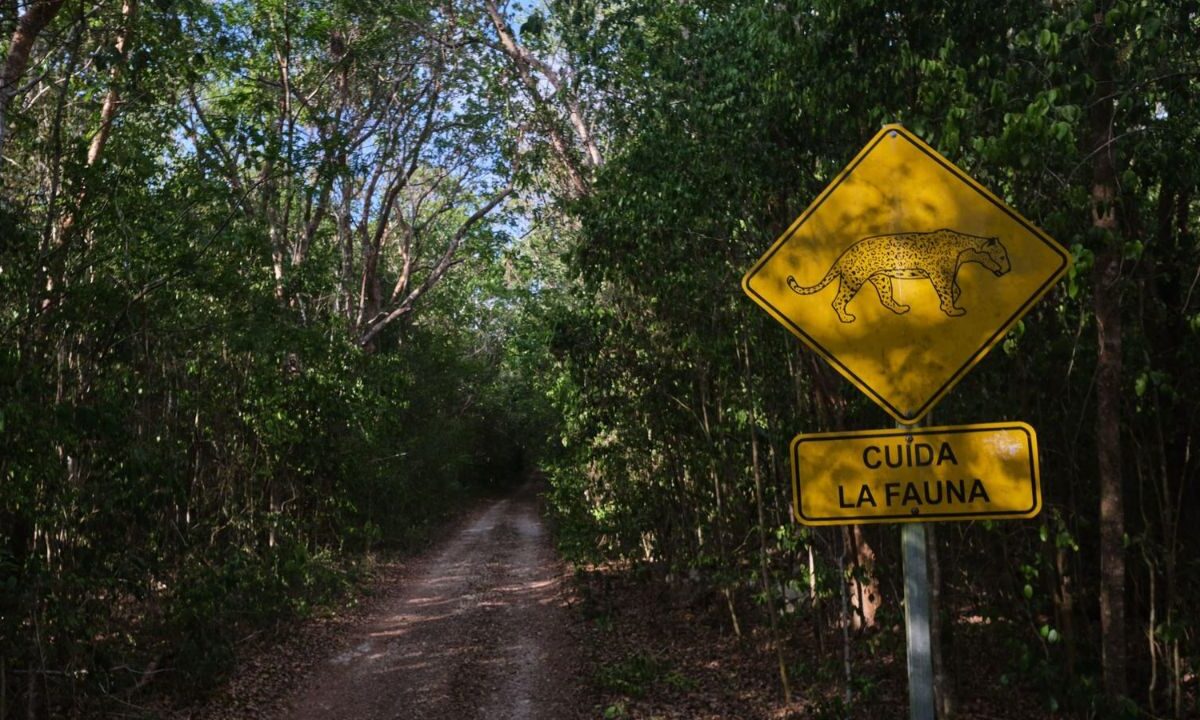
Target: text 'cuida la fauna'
936 491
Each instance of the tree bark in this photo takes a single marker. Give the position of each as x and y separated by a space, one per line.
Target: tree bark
941 629
525 63
1106 304
108 113
867 596
64 232
112 100
37 16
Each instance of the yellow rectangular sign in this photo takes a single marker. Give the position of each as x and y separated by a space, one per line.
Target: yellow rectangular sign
963 472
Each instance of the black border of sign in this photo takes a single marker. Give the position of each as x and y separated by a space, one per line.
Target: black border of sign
1034 474
913 416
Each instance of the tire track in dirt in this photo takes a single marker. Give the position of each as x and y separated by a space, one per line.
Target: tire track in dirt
478 630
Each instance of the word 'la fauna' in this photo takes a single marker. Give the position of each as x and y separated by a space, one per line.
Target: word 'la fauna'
906 493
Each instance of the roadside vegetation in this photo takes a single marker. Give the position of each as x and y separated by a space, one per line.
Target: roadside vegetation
282 282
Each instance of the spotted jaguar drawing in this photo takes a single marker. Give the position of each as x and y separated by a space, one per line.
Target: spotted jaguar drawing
936 256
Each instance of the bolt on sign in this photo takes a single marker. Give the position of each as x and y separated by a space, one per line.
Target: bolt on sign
966 472
904 273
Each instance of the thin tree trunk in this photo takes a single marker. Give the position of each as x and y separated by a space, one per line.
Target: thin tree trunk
1108 437
845 623
726 588
1064 601
815 606
866 586
525 63
112 101
108 113
940 632
764 567
1106 303
37 16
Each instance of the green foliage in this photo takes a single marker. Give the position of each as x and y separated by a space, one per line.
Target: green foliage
191 448
834 708
732 117
199 431
634 674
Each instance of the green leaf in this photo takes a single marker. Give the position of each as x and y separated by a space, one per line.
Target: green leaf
533 26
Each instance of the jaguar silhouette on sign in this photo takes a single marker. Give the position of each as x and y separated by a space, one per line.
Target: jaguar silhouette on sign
935 256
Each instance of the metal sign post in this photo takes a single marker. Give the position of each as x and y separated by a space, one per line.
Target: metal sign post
917 633
916 622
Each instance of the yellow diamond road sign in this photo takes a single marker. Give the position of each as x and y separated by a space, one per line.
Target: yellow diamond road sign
966 472
904 273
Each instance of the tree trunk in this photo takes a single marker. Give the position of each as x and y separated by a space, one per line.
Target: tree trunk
108 114
867 596
525 63
112 101
1108 438
1106 303
941 628
37 16
764 566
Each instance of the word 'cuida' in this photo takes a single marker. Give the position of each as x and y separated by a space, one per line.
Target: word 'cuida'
907 455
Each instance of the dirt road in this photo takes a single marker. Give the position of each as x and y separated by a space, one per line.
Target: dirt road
478 629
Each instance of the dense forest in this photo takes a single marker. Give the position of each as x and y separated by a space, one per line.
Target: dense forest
283 283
